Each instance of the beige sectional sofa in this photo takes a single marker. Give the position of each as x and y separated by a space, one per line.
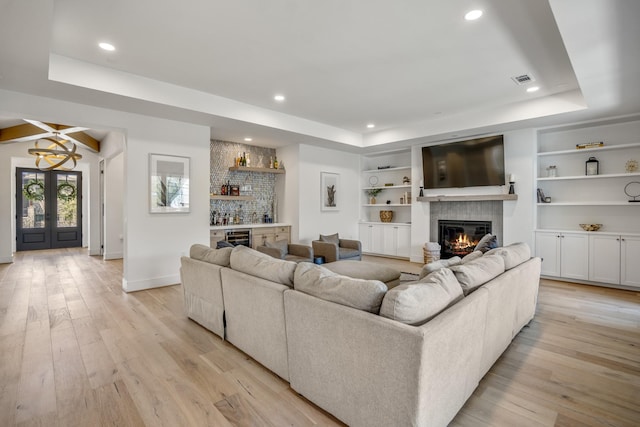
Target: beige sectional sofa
410 356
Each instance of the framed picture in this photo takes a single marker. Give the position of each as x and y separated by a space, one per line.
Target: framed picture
329 191
168 184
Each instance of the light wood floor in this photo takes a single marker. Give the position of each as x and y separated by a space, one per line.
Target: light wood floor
77 351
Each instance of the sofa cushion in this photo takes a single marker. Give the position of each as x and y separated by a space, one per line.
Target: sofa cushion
471 256
364 270
213 256
322 283
348 253
488 241
416 303
514 254
437 265
281 245
478 272
249 261
332 238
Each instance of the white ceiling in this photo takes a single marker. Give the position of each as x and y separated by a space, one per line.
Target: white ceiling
416 69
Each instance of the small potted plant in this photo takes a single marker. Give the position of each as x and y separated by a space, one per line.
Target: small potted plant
372 193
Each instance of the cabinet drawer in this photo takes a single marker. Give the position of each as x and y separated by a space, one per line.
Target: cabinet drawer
216 234
264 230
284 229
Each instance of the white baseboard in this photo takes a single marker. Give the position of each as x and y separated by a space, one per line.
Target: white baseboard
156 282
113 255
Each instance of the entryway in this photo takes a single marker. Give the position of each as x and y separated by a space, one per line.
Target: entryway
48 209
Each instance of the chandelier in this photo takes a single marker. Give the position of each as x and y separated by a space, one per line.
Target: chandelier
59 152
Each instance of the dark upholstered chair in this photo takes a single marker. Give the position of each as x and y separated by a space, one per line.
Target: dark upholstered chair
332 248
281 249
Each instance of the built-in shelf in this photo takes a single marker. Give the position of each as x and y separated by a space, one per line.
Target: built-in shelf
590 150
468 198
399 168
589 203
239 198
251 169
610 175
387 187
385 205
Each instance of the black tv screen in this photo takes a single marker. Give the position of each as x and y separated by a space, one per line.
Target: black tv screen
471 163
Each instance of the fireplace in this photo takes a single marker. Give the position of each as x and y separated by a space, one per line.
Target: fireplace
459 238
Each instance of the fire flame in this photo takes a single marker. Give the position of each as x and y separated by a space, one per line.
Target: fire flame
463 242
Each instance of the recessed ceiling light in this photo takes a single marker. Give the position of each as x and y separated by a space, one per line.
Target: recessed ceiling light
248 139
279 98
371 125
533 89
107 46
473 15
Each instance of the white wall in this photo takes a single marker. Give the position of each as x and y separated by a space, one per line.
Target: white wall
313 221
288 189
112 149
153 243
520 160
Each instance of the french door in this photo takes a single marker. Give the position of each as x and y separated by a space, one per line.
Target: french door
48 209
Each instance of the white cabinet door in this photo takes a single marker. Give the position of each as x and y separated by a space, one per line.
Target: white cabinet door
574 256
604 258
389 241
366 235
403 241
377 239
548 248
630 262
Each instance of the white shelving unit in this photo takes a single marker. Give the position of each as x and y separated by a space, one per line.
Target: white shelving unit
580 199
386 171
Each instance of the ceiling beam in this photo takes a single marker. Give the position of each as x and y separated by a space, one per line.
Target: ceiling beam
25 132
34 129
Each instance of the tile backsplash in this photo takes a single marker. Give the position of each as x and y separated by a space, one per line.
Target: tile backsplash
261 186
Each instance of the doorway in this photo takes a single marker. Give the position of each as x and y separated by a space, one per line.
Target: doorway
48 209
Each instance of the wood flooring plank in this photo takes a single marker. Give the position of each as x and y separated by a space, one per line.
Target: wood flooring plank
10 362
99 365
36 392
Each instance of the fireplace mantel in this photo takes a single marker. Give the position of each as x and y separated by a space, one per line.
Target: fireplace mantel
467 198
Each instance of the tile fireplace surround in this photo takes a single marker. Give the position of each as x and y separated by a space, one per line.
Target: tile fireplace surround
467 211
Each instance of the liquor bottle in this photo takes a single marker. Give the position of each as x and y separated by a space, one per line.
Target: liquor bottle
271 162
244 160
247 160
275 162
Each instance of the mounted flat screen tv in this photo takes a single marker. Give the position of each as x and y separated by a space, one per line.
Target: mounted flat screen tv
471 163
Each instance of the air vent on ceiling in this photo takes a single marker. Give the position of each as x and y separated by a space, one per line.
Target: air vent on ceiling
523 79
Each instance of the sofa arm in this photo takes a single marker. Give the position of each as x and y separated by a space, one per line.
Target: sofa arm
301 251
328 250
351 244
274 252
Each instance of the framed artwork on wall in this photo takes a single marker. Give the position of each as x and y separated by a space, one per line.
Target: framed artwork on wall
168 184
329 191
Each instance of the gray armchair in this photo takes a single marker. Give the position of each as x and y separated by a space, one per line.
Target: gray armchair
332 248
289 251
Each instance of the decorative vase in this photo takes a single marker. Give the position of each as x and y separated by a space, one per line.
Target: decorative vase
372 200
386 216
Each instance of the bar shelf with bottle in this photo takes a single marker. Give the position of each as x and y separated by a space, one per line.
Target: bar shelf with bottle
252 169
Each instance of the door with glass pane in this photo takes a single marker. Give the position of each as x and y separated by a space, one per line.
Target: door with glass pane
48 209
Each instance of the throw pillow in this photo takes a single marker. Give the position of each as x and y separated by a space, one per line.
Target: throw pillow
437 265
249 261
322 283
332 238
281 245
514 254
418 302
478 272
214 256
488 241
223 244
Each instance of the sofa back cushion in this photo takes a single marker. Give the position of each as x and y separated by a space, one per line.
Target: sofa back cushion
249 261
322 283
475 273
437 265
416 303
514 254
214 256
